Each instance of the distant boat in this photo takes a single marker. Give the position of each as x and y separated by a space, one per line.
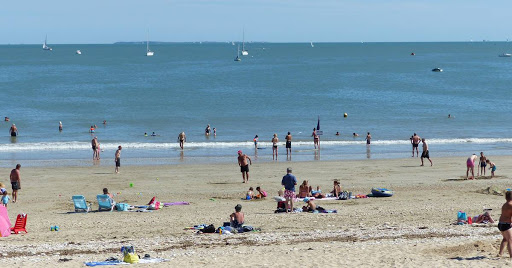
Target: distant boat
238 54
45 47
312 44
244 52
505 55
437 70
149 53
78 52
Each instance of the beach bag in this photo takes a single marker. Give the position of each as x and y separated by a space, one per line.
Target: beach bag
210 229
129 255
343 195
462 217
122 207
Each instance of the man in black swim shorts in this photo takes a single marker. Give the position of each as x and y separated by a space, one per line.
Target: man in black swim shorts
15 182
244 165
505 224
288 144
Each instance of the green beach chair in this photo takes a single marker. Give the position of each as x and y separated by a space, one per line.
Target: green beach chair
105 202
80 204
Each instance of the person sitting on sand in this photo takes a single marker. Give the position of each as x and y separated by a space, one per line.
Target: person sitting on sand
492 167
304 189
483 218
318 193
311 206
250 194
336 189
237 219
105 191
261 193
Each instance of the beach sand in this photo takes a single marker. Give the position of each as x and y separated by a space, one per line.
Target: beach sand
412 228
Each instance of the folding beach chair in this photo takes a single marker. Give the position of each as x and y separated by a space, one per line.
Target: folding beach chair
81 204
105 202
21 223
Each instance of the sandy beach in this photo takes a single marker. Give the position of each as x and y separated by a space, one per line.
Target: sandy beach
411 229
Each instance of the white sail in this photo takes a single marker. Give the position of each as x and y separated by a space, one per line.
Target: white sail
149 53
46 47
244 52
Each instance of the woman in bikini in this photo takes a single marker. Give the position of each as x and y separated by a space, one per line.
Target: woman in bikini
275 140
304 189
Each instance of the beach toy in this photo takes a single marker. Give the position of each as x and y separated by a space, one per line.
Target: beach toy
381 192
131 184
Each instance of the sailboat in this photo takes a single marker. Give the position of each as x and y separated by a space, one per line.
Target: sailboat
78 52
244 52
312 44
45 47
149 53
238 54
318 131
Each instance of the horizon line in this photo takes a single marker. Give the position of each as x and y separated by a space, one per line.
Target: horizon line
261 42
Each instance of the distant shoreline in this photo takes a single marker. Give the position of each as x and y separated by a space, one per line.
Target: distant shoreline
256 42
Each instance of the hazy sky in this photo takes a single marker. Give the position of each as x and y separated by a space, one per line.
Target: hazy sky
107 21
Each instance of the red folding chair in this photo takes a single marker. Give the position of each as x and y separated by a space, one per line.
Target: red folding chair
21 223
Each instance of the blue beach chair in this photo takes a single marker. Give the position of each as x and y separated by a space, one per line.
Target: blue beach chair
81 204
105 202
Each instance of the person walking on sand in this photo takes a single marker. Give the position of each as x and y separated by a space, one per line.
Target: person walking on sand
94 145
470 163
415 141
425 153
15 182
13 130
244 166
504 225
368 138
275 142
316 139
289 181
482 164
117 158
182 138
288 144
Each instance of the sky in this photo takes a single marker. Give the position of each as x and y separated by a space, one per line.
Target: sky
108 21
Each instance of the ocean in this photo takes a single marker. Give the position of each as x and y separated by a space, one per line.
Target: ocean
277 88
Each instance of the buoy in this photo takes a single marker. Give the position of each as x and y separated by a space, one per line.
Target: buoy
345 115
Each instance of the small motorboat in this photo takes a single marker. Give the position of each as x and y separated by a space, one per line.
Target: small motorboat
505 55
78 52
437 70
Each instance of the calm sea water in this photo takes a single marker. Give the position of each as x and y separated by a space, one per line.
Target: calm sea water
276 89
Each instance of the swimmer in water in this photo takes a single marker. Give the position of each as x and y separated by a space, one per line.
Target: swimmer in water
153 134
355 134
60 126
145 134
337 133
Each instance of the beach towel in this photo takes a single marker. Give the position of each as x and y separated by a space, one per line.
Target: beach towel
182 203
102 263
